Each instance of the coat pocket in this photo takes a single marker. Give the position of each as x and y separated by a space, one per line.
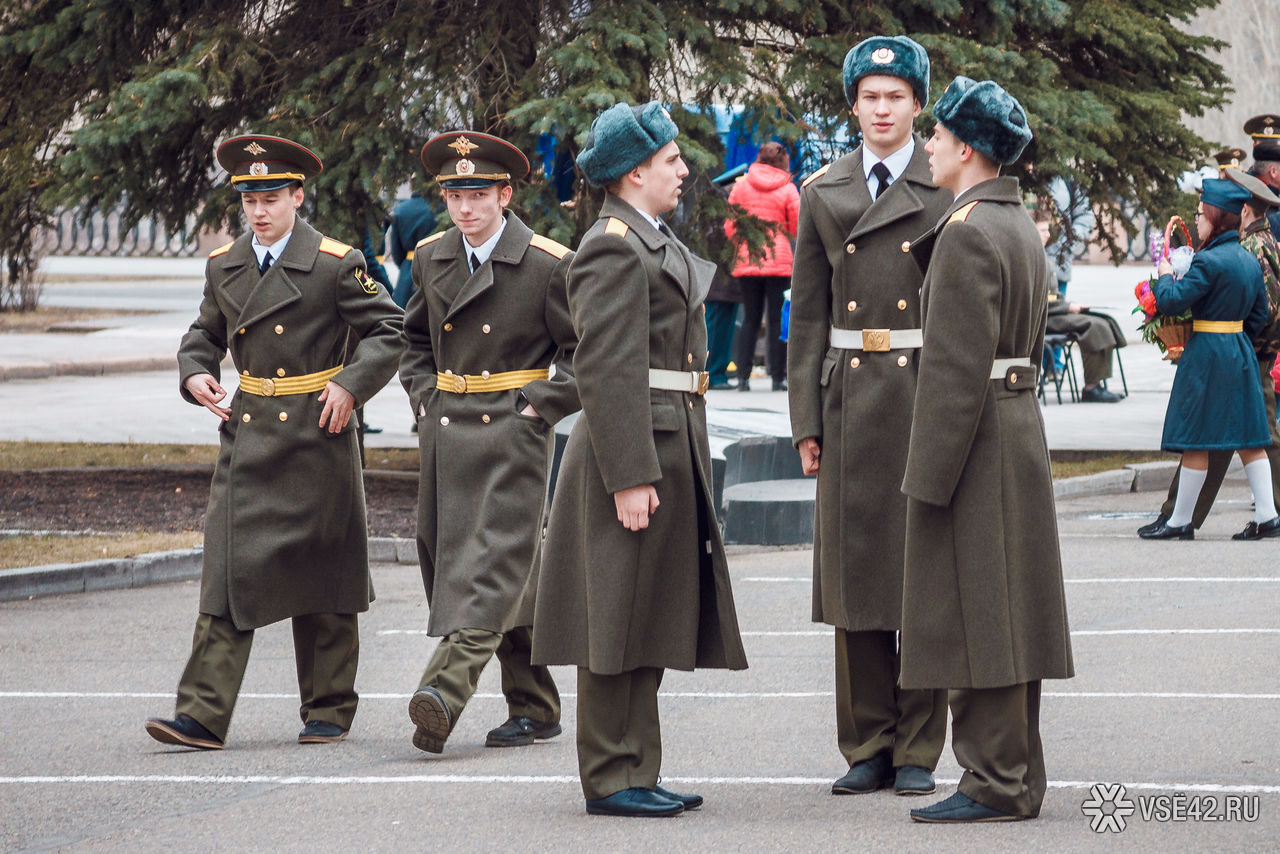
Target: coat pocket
664 416
828 366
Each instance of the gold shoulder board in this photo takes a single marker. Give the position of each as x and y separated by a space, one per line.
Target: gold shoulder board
333 247
962 213
815 176
549 246
616 226
222 250
431 238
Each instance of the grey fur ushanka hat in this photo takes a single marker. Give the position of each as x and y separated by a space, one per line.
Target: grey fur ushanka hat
984 116
623 137
896 56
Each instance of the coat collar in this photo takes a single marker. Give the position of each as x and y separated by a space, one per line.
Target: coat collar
1232 236
677 261
254 296
458 287
904 198
1002 190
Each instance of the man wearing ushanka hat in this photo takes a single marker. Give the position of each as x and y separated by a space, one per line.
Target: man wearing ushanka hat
852 362
487 320
633 576
983 609
285 535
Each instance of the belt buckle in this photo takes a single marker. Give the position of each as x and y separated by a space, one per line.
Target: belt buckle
268 387
704 381
875 340
459 384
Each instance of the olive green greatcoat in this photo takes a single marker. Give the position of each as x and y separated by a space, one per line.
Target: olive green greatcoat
851 272
285 534
983 603
484 466
609 599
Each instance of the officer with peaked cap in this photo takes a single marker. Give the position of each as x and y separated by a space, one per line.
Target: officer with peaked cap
285 534
1229 158
1265 131
488 320
983 608
634 577
852 359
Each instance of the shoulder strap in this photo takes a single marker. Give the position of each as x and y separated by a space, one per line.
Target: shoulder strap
549 246
431 238
329 246
222 250
815 176
616 226
962 214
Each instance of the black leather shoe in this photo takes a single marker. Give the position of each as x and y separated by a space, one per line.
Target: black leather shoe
1151 526
689 802
184 730
1170 532
1254 531
744 384
913 780
960 809
644 803
866 776
780 385
517 732
321 732
1098 394
431 716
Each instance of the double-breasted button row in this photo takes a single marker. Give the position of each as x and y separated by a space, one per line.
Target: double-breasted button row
444 419
246 418
855 361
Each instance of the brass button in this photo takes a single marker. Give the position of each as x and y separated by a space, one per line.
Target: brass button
1013 378
284 416
906 246
244 373
902 305
448 373
279 372
484 374
279 329
245 418
902 361
853 304
485 329
690 359
854 362
444 421
691 404
850 248
448 327
485 418
241 331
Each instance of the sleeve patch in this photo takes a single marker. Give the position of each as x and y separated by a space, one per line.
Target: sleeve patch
549 246
815 176
367 283
962 214
333 247
432 238
222 250
616 226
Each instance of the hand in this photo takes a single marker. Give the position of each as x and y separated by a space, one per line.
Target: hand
530 411
1076 308
205 389
1165 268
810 450
338 404
635 506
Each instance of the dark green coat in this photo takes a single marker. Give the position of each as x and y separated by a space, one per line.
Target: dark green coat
610 599
484 466
983 603
860 415
285 533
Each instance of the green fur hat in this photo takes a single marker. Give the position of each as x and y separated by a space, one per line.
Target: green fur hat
984 116
897 56
623 137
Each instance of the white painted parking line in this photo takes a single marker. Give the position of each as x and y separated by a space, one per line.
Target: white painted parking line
554 779
1154 579
686 695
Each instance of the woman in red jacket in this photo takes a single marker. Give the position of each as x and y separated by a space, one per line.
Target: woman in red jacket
766 192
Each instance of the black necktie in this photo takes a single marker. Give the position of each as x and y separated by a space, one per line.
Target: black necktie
475 262
881 172
265 265
663 230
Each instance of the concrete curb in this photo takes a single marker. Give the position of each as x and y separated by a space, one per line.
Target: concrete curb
45 370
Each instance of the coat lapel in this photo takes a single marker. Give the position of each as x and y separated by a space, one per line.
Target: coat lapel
276 288
673 255
902 199
510 250
241 277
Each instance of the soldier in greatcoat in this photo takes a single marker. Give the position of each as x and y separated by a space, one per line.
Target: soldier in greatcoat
852 362
634 577
1264 130
983 608
487 321
285 534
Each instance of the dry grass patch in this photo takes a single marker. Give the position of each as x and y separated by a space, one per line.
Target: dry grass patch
1103 462
44 317
30 550
48 455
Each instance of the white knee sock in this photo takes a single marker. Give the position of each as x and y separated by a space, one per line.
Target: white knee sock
1190 481
1264 504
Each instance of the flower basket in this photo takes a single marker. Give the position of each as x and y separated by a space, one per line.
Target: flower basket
1169 333
1173 336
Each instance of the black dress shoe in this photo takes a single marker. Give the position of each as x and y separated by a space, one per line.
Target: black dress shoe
517 732
321 732
913 780
184 730
723 385
689 802
1254 531
959 809
744 384
867 776
780 385
1170 532
1151 526
431 716
1098 394
644 803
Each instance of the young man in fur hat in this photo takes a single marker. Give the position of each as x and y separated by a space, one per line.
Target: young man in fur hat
983 613
634 577
853 357
285 534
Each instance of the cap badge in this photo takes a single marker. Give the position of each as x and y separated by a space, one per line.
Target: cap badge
463 146
254 149
882 56
258 169
667 113
466 167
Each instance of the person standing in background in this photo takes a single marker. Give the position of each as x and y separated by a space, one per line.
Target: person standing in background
411 221
1077 220
1265 132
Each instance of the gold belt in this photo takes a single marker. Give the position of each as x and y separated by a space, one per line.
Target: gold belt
473 384
1223 327
408 256
268 387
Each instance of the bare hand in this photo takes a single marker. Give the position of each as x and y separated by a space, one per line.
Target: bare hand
338 404
530 411
1165 268
635 506
810 450
1076 308
205 389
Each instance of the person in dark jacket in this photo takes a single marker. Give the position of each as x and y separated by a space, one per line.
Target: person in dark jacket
411 221
1216 402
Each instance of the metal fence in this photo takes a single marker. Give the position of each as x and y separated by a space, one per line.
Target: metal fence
98 232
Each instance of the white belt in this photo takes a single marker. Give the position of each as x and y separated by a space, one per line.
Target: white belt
876 340
1000 367
693 382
